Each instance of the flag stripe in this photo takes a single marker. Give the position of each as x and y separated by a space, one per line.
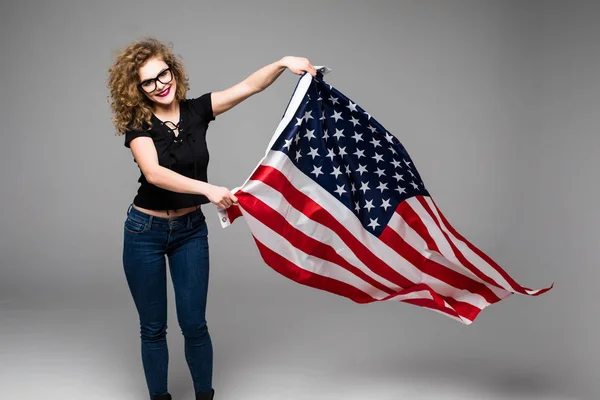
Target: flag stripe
307 244
331 206
304 277
382 250
468 287
458 308
431 304
431 262
443 245
293 227
314 211
343 284
276 201
480 259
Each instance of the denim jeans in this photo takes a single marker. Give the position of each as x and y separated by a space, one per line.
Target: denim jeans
184 240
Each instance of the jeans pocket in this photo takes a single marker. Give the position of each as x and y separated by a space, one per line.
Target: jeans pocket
135 226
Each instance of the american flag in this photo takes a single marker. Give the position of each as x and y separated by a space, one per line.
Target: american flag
338 205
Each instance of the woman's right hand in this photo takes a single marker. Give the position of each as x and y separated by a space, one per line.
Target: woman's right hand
221 196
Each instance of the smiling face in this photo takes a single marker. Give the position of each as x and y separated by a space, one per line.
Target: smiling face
164 94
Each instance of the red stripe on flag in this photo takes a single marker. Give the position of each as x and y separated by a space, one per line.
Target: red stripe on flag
304 277
278 224
233 212
461 308
485 257
429 303
414 220
390 237
274 178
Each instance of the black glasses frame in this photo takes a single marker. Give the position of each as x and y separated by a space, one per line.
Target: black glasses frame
156 79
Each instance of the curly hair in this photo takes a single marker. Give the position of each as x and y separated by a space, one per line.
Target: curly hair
130 107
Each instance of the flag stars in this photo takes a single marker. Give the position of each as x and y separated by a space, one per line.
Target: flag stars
338 133
368 115
337 115
359 153
287 144
373 224
382 186
364 187
316 170
310 134
340 190
357 136
307 115
313 153
330 154
369 178
385 204
351 106
336 172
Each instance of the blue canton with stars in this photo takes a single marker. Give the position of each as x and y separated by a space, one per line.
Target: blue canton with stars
347 152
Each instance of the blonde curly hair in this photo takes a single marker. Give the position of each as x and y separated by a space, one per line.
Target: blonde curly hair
130 107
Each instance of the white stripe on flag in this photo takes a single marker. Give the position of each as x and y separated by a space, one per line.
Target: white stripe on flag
323 234
279 244
440 240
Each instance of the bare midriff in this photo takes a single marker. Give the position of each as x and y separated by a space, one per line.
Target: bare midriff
163 213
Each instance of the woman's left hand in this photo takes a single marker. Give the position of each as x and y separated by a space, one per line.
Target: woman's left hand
298 65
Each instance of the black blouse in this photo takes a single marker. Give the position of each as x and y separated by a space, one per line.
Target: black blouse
186 154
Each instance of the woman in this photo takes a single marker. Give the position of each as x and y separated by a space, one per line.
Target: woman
167 136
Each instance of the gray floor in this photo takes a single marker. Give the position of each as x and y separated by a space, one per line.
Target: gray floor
263 351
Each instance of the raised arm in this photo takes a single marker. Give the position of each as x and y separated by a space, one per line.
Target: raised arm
257 82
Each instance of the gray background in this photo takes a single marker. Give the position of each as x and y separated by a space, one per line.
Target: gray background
496 101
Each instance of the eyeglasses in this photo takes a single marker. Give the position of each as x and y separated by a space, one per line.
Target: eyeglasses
149 85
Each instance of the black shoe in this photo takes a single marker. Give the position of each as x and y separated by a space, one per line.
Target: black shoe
205 395
161 397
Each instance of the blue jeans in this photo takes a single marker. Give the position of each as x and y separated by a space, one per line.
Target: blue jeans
184 240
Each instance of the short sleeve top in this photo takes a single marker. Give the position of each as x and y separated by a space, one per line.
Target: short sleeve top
186 154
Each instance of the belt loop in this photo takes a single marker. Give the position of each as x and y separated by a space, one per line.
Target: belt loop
129 208
189 220
150 218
